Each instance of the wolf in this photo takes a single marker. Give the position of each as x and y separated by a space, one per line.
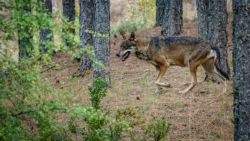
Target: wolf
184 51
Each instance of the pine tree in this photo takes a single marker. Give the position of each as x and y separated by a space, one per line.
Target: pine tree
102 39
172 20
241 65
213 18
161 5
87 16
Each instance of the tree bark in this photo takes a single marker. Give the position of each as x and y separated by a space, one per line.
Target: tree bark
160 8
241 65
173 20
87 16
202 13
212 19
69 14
45 32
23 29
102 39
217 32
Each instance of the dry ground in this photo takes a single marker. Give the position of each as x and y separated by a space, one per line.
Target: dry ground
204 114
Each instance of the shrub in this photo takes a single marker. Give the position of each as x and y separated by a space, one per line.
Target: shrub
97 92
116 129
98 124
158 129
129 25
25 112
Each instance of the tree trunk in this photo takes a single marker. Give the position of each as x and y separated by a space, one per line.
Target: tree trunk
160 8
45 33
102 39
69 14
217 32
241 65
87 16
172 21
202 13
23 29
212 18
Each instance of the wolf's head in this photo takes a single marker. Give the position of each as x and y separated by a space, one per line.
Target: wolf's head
127 47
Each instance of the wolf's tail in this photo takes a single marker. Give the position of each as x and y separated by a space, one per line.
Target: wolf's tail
222 73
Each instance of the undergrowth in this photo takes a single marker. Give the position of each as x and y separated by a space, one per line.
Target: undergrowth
30 108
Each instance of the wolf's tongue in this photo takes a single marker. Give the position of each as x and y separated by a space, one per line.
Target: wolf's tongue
125 56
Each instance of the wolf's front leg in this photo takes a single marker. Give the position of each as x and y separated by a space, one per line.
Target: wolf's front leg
194 80
158 82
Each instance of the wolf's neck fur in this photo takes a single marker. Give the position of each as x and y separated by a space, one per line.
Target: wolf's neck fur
142 49
142 55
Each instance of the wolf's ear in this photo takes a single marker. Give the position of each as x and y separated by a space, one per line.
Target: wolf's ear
132 36
122 33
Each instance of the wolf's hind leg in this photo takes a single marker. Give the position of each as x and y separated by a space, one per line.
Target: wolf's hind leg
208 66
211 72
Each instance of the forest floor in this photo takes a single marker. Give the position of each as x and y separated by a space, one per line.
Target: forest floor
204 114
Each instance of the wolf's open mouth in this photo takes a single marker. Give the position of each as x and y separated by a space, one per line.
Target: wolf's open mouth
125 56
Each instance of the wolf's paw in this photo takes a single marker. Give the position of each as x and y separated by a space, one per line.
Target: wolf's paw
163 85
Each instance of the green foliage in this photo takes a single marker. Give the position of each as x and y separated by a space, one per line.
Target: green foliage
97 92
25 111
158 129
68 34
29 107
129 26
27 18
116 129
6 28
23 104
28 114
96 122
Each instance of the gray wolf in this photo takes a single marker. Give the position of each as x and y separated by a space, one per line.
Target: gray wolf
184 51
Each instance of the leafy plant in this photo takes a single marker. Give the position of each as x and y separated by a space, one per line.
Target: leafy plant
129 26
158 129
25 113
96 122
97 92
116 129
